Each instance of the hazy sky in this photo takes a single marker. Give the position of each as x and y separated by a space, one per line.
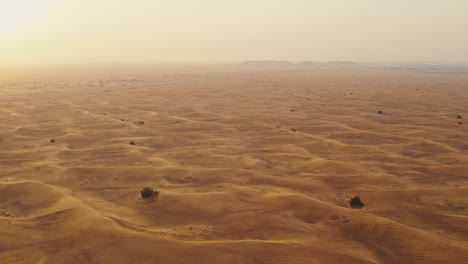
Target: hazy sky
101 31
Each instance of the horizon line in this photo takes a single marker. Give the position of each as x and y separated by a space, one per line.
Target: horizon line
232 62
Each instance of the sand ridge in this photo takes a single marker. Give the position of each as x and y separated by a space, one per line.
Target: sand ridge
253 167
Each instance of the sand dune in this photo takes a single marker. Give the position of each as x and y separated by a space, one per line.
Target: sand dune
253 167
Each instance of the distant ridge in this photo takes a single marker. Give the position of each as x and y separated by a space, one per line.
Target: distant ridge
303 64
267 63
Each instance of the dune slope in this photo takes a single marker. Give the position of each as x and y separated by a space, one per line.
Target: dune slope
253 167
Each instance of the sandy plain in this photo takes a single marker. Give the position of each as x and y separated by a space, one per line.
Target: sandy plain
253 166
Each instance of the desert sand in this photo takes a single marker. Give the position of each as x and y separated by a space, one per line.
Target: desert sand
252 166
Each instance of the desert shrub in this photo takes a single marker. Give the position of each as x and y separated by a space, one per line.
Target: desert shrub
132 143
148 193
52 140
380 112
356 202
459 117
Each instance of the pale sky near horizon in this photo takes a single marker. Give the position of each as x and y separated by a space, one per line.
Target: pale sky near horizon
192 31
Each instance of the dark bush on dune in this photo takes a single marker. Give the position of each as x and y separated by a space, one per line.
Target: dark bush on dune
132 143
356 202
380 112
459 117
52 141
148 193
